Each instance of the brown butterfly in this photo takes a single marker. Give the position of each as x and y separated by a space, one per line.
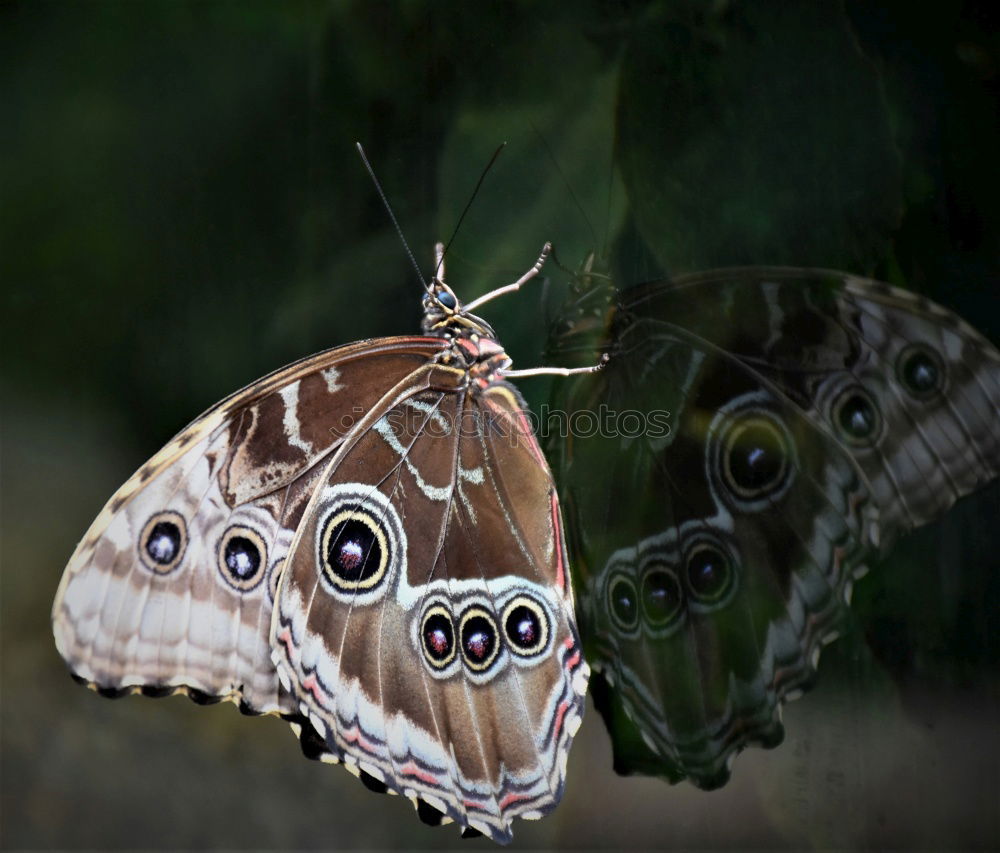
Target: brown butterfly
395 585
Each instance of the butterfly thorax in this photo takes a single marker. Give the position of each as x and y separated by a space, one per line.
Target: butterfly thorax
474 347
481 358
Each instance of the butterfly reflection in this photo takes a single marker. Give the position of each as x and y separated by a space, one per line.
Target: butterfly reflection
812 417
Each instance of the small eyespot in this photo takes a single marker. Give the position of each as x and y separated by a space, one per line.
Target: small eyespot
920 371
354 550
710 574
480 643
623 602
437 637
755 460
662 597
856 417
242 557
163 541
526 626
446 299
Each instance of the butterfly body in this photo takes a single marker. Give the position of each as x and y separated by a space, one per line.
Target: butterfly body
367 542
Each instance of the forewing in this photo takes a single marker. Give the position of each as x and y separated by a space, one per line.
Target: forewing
172 587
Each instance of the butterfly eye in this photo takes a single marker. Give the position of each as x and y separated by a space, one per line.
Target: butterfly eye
163 541
526 627
437 637
856 416
756 457
662 597
354 551
480 644
920 371
624 602
710 575
446 299
242 556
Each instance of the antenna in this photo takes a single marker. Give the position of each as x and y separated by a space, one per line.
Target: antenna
565 180
475 192
392 215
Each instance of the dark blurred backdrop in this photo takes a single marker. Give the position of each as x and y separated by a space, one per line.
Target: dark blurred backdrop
182 210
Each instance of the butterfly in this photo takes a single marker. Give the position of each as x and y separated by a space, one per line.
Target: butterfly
369 544
758 438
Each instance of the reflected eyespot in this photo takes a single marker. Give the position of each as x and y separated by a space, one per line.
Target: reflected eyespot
856 416
163 541
756 452
920 371
479 638
526 626
242 557
662 597
354 550
437 637
709 573
623 602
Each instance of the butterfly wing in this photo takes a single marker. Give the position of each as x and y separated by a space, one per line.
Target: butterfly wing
172 587
812 418
910 388
425 622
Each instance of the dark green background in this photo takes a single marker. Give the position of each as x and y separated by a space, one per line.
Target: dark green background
182 210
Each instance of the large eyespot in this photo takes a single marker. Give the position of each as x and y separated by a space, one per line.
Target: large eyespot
242 557
437 637
163 541
526 626
920 371
662 597
623 602
756 451
479 637
359 543
856 416
354 551
751 458
709 573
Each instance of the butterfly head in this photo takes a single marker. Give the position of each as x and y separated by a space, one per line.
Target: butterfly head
446 317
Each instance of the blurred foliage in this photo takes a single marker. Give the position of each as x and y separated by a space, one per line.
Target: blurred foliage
183 211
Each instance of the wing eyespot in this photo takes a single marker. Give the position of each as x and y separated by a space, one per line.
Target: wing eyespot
242 557
623 601
921 371
479 639
163 541
526 627
709 574
661 597
856 417
354 551
437 638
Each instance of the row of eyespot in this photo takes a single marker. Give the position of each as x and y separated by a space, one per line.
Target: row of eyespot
240 553
757 446
524 621
709 579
